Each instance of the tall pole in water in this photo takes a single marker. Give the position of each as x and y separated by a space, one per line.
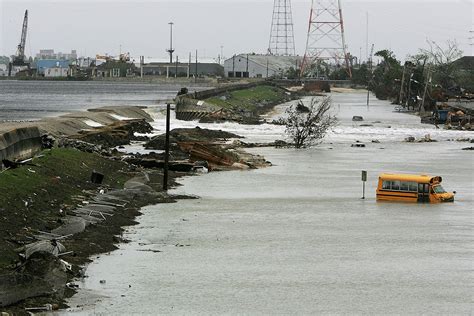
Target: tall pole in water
171 50
167 149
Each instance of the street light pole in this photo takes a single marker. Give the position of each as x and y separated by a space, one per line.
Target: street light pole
171 50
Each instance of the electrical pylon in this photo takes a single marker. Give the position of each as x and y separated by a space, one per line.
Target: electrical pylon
282 40
325 40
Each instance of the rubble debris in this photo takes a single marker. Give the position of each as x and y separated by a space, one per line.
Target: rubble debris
357 118
45 308
115 134
47 141
42 274
50 246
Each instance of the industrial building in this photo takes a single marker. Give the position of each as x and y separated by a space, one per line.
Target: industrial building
52 68
183 69
260 66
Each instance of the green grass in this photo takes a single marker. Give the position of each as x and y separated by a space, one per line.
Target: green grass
250 99
48 186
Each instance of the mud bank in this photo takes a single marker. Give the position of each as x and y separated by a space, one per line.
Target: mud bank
53 206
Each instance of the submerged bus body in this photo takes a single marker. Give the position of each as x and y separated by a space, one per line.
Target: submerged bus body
412 188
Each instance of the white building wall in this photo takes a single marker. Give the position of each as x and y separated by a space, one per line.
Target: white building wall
238 64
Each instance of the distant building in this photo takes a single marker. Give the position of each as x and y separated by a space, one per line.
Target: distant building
260 66
52 68
183 69
50 54
3 70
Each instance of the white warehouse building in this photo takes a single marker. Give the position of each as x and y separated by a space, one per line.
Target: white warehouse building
260 66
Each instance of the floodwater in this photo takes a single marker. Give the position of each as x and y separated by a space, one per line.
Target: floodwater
297 238
32 100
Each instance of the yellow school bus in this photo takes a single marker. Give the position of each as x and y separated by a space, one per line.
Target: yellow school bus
412 188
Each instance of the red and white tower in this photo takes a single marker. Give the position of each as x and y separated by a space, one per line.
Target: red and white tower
325 40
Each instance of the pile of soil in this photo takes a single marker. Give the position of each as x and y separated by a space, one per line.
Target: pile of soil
197 134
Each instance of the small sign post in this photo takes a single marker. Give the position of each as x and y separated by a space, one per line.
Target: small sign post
167 149
364 179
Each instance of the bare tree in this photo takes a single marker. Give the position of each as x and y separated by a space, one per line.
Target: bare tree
310 126
442 59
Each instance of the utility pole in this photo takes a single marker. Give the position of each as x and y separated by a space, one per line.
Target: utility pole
171 50
233 66
247 68
369 79
196 67
409 91
222 52
176 68
367 36
428 81
189 65
267 67
402 83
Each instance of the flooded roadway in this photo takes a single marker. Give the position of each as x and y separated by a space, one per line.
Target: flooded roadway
297 238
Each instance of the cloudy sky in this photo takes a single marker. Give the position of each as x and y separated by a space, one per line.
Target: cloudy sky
240 26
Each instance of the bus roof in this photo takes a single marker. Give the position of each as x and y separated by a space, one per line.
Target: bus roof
423 178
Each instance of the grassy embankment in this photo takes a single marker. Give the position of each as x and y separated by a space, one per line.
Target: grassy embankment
32 195
256 99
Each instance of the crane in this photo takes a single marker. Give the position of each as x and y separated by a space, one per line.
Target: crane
19 58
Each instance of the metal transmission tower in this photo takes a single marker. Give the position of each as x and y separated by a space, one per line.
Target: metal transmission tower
282 40
325 40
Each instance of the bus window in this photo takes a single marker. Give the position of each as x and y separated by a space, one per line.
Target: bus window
413 186
386 185
395 185
438 189
404 186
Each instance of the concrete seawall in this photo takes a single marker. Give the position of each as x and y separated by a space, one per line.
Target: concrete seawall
20 143
23 139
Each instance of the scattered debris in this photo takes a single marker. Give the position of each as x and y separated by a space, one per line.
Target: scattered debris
357 118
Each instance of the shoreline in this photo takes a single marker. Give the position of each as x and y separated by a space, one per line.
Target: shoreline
82 199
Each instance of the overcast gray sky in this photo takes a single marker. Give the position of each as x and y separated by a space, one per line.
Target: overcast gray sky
240 26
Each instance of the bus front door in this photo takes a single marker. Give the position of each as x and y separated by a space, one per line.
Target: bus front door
423 192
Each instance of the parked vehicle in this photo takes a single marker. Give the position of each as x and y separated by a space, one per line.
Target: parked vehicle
412 188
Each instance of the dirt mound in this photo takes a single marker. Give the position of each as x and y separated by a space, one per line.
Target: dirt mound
190 135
